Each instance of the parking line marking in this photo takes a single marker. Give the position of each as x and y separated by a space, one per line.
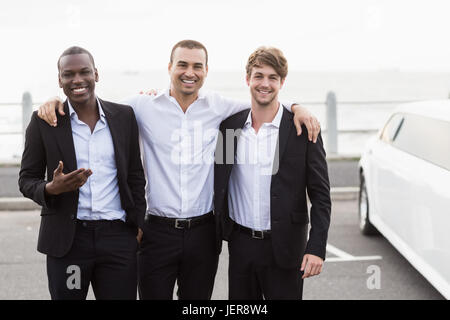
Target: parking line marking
362 258
338 252
343 256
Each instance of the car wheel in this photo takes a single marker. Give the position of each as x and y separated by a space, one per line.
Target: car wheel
365 226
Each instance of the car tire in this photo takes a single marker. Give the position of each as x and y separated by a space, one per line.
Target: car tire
365 226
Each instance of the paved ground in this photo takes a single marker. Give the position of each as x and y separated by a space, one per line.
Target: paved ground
342 174
8 185
23 274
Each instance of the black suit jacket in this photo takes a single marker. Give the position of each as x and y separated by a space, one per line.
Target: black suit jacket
45 146
302 170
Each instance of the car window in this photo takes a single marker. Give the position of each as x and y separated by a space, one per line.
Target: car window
392 128
424 137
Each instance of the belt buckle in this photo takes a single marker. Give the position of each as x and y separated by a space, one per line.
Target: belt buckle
257 234
177 225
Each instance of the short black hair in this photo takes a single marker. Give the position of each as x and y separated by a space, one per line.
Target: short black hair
75 50
190 44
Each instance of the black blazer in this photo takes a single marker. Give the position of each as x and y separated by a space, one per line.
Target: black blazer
302 169
45 146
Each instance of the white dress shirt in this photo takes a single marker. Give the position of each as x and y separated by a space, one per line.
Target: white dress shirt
251 177
178 150
99 197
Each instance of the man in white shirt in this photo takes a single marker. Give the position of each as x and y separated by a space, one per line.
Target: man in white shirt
262 173
178 130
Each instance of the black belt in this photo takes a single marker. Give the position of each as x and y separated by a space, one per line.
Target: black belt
95 223
255 234
181 223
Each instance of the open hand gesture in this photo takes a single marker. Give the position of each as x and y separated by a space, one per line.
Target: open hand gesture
67 182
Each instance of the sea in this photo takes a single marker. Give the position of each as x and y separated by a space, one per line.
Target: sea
364 99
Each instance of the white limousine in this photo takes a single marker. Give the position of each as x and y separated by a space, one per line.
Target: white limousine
405 187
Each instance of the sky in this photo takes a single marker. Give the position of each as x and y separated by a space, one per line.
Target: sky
315 35
319 35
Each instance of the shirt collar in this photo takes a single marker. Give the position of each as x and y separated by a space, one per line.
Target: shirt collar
166 93
72 112
275 122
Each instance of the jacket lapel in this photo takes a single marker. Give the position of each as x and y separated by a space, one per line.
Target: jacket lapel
239 125
283 135
115 126
231 131
110 113
65 140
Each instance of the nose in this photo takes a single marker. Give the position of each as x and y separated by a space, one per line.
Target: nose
77 78
265 82
189 72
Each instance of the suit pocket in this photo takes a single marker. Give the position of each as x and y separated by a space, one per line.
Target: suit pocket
298 217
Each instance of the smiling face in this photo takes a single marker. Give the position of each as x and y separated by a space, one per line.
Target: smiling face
265 84
187 71
77 77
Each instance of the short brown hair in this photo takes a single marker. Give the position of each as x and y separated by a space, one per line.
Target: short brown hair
269 56
190 44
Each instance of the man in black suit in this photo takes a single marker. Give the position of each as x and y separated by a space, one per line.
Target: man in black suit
263 172
90 217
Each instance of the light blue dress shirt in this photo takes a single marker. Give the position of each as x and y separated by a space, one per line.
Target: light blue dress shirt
99 197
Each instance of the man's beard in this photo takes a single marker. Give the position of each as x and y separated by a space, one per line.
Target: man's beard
265 103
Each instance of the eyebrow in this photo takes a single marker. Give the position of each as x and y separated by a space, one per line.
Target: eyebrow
72 71
270 75
185 62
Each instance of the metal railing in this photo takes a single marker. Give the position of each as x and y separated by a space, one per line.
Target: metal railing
27 110
330 102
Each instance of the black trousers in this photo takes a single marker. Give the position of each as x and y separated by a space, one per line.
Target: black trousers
253 273
187 256
103 254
